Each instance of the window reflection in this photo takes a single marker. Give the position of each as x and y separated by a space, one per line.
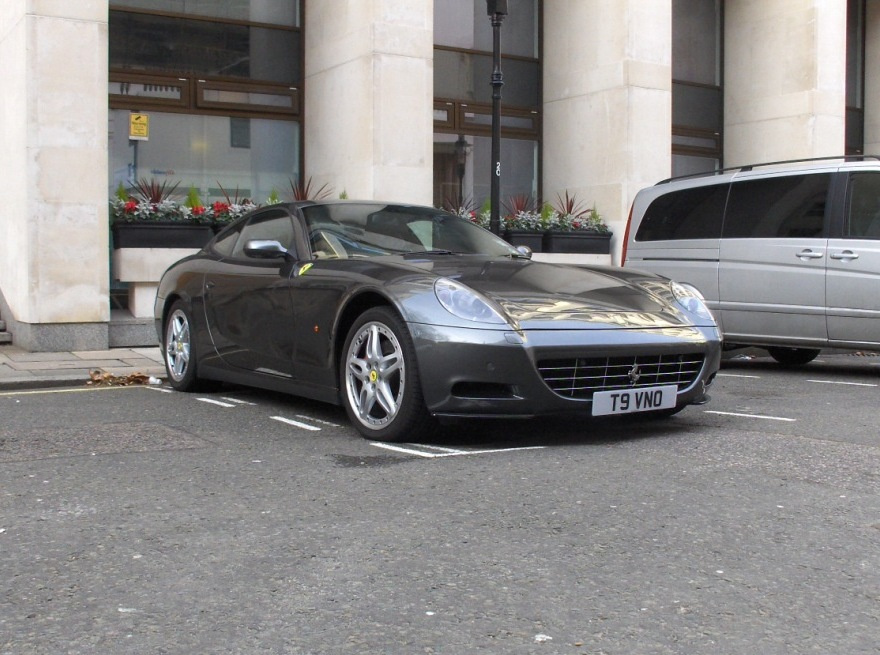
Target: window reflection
212 153
276 12
146 42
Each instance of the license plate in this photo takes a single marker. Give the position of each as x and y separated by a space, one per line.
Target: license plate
627 401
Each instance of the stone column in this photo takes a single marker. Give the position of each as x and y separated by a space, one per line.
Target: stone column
54 260
369 98
607 102
784 79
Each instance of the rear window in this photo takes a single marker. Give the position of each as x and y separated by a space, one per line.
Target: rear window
694 213
789 206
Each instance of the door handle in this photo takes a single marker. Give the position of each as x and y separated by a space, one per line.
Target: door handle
846 255
209 285
809 254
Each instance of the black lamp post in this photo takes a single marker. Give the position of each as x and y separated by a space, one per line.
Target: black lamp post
460 163
497 10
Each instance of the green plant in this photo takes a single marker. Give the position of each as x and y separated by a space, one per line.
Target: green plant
304 190
521 213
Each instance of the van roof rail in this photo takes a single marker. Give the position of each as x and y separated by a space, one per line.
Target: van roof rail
750 167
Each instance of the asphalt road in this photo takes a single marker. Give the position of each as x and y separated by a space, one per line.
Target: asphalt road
138 520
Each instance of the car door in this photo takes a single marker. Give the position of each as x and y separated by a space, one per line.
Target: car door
247 301
774 245
853 276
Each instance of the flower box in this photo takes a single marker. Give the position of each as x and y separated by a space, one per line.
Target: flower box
577 242
530 238
161 234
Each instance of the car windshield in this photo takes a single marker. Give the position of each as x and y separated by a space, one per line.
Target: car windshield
371 230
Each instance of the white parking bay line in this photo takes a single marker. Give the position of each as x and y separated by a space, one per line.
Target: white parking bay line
297 424
850 384
215 402
738 375
238 401
766 418
317 420
446 452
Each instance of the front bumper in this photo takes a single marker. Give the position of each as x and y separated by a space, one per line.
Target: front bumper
494 373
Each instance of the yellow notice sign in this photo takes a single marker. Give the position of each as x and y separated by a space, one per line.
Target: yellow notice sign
139 127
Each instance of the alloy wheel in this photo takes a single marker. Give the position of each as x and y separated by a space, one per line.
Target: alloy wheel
375 375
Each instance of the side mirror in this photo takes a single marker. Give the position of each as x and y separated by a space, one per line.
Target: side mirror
266 249
525 251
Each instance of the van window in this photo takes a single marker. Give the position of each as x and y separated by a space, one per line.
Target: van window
863 218
789 206
694 213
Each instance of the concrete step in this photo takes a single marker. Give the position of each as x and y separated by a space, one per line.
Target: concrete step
5 337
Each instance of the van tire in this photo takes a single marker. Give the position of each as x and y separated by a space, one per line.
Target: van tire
793 356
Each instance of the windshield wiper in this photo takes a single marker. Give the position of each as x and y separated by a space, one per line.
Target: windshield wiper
422 253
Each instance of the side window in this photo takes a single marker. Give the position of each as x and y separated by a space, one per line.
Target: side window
863 215
694 213
791 206
224 244
275 225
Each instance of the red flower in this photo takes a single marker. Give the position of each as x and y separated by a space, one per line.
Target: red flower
220 207
576 225
198 210
130 207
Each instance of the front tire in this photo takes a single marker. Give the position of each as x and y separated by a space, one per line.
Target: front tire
793 356
178 349
380 385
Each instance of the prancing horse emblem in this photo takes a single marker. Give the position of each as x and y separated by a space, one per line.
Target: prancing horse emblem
634 375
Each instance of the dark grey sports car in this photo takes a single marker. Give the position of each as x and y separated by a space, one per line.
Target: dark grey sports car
408 314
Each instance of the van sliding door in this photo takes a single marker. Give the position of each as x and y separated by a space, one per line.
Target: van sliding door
772 259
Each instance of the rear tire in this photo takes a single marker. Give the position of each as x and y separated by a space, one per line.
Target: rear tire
379 379
793 356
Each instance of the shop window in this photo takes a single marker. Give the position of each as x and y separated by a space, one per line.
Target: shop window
272 12
217 155
463 65
855 77
697 92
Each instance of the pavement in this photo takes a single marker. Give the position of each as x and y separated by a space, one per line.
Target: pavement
20 369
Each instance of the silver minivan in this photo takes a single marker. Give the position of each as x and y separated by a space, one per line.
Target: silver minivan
787 254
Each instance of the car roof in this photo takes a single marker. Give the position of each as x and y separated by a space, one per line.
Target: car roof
786 166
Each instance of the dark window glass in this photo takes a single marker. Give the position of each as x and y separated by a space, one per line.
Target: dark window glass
688 214
697 94
275 12
467 76
466 24
697 107
863 220
696 44
182 46
790 206
224 244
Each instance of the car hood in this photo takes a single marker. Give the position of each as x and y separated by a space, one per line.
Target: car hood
539 295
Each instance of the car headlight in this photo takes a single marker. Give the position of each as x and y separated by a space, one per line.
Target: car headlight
466 303
691 300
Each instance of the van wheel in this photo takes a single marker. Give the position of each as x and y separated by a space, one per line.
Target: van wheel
793 356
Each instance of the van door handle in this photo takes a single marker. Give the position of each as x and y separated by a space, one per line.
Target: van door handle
846 255
809 254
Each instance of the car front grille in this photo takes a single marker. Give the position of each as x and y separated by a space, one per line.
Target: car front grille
580 377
